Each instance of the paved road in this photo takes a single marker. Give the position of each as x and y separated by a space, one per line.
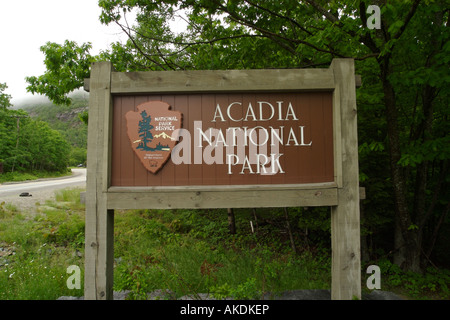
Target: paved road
40 190
77 179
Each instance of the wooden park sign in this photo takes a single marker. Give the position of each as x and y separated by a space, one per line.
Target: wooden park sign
221 139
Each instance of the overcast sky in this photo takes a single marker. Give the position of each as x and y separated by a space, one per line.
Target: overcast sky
25 25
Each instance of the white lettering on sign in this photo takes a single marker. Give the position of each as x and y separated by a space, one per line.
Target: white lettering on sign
255 113
165 123
236 140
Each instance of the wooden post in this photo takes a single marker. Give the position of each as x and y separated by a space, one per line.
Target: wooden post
345 219
99 244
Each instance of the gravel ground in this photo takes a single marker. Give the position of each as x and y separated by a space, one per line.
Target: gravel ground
40 191
30 205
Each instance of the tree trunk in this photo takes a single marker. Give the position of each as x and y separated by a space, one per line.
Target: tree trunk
365 255
408 243
231 221
288 227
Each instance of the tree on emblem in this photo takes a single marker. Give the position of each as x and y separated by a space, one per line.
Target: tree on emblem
145 131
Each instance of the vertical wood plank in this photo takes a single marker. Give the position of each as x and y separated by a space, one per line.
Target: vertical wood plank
252 136
168 175
127 154
327 100
220 167
116 177
99 221
194 114
318 162
208 171
283 132
337 139
300 106
182 170
345 219
262 136
237 147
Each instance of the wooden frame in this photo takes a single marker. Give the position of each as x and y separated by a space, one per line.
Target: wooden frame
342 195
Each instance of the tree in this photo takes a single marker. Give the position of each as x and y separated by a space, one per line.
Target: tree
404 66
10 121
46 149
5 99
67 66
27 144
5 136
145 131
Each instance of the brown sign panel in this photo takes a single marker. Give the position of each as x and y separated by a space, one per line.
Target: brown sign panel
225 139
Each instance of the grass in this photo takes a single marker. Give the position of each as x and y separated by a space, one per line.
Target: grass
189 252
182 251
38 250
26 176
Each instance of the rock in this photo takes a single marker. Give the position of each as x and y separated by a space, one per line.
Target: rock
5 252
197 296
118 295
121 295
70 298
300 295
326 295
161 294
381 295
25 194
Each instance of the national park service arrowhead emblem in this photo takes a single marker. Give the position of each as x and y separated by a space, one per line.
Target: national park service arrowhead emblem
151 133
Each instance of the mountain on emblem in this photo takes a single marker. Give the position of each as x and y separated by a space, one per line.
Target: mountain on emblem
150 130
